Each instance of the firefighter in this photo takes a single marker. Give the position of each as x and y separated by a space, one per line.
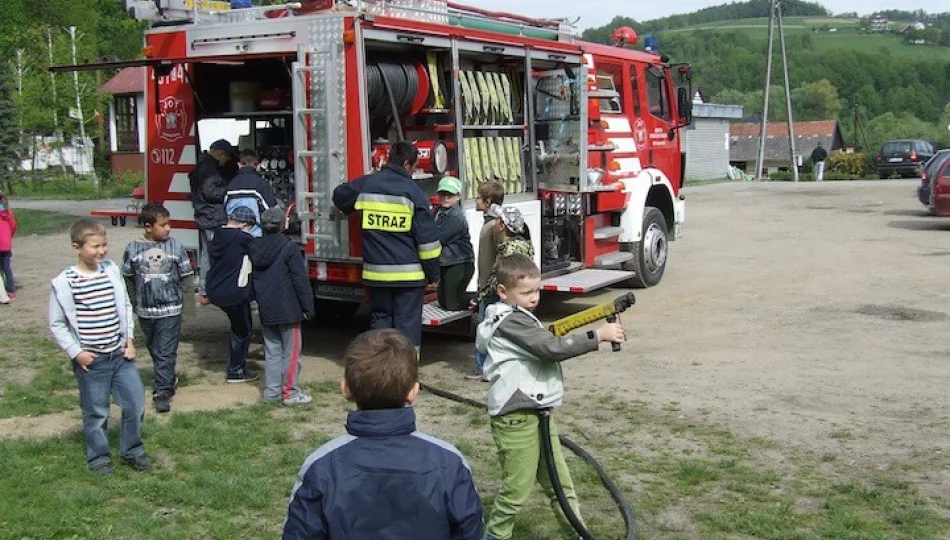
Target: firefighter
209 184
401 245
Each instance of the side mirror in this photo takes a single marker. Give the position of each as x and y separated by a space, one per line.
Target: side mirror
684 105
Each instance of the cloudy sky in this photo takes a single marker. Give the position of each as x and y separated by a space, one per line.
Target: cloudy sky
600 12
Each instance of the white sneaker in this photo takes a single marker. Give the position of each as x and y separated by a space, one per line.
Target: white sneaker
298 399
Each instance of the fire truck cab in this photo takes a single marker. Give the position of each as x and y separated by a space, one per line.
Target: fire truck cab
584 137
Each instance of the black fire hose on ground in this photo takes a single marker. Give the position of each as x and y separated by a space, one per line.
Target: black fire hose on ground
626 511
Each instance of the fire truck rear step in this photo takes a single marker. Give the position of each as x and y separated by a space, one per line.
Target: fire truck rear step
612 259
433 315
604 233
585 281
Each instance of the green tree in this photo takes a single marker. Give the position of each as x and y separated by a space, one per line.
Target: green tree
816 101
932 35
807 41
730 96
9 133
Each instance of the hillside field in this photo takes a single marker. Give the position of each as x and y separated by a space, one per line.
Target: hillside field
846 38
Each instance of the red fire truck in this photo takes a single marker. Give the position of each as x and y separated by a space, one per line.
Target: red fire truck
584 136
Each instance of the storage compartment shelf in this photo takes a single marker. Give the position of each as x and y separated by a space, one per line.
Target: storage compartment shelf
506 128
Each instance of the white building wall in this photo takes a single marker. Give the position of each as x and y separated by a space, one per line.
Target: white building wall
707 149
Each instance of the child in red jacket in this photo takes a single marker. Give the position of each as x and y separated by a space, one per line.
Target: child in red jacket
7 230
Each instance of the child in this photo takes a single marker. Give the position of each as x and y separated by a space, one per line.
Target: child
249 189
489 193
384 479
229 287
523 363
7 230
158 272
515 237
90 317
457 261
284 298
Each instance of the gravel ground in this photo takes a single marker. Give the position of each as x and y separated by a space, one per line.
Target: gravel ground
809 314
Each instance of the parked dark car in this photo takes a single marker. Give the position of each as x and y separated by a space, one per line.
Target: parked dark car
903 157
929 170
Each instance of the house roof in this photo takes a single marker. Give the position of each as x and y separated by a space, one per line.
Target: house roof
744 139
130 80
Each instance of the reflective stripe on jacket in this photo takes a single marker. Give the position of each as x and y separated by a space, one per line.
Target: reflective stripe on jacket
401 245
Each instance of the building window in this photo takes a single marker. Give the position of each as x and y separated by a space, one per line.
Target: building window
658 97
126 124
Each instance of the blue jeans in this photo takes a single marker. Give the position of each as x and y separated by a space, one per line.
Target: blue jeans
110 375
480 356
7 270
242 328
161 338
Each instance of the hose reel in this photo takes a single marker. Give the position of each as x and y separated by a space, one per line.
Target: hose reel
395 88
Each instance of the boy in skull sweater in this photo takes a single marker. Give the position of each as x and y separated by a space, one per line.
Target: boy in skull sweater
156 267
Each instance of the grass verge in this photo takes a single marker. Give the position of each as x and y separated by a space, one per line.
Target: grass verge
41 222
228 474
73 187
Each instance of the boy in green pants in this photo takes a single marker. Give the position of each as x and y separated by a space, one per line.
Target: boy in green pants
523 365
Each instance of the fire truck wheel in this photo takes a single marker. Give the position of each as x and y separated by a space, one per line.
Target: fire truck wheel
334 311
649 255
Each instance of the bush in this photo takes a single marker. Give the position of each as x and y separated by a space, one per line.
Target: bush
847 164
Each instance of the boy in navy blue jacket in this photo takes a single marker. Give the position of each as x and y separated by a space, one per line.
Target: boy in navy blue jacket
284 299
229 287
384 480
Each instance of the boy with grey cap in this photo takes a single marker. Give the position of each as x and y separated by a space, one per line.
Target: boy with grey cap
284 299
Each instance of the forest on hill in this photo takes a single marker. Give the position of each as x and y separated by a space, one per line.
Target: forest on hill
897 89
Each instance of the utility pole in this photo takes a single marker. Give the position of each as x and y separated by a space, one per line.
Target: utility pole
788 92
765 108
79 115
775 15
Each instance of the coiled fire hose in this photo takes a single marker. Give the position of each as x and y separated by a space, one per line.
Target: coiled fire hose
392 87
560 327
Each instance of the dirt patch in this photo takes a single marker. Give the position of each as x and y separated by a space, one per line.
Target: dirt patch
900 313
202 397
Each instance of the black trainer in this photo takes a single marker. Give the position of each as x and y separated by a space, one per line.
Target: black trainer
162 401
247 376
104 470
140 463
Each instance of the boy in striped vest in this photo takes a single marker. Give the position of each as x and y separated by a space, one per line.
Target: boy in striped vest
90 316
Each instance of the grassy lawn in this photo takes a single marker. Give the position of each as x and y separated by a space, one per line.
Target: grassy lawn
71 187
41 221
228 473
